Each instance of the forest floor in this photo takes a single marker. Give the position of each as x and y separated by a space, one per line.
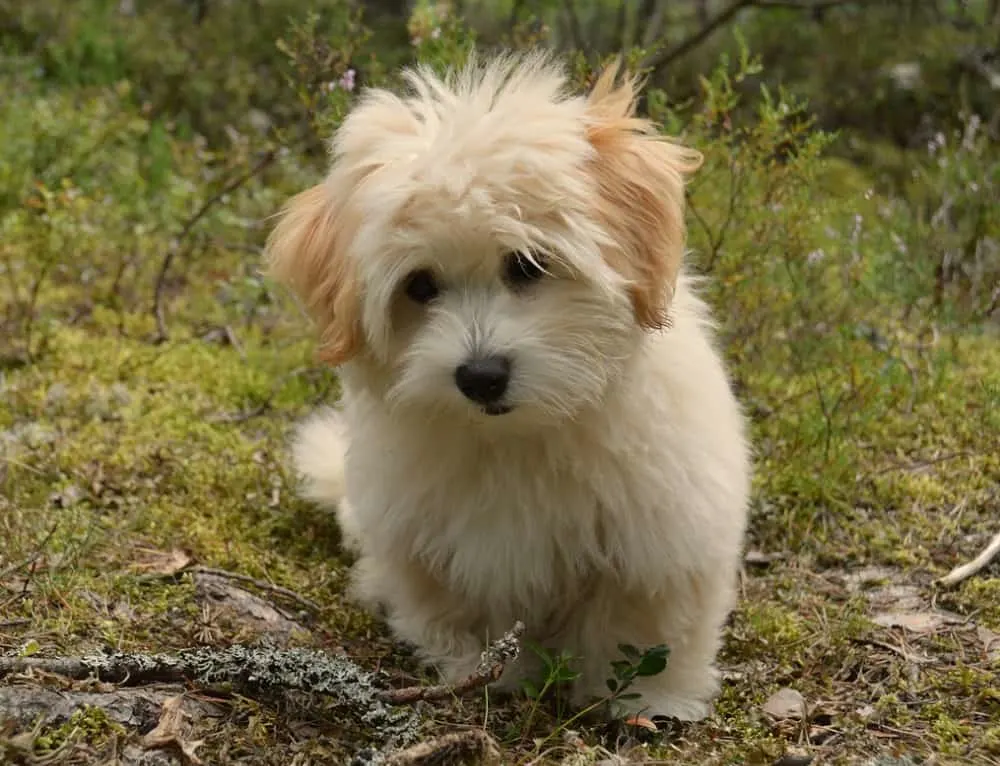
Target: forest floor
131 470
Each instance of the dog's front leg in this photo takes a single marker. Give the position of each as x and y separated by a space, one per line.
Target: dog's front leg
688 618
422 611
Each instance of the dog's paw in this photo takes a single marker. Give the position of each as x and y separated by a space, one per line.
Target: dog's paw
455 669
663 705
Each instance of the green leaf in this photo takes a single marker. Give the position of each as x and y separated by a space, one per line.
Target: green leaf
653 662
621 668
630 651
565 673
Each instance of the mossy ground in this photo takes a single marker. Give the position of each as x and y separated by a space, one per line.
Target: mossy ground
114 446
876 427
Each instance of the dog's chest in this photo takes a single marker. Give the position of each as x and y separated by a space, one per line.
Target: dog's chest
515 529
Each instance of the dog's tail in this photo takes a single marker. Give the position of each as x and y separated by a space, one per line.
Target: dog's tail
319 451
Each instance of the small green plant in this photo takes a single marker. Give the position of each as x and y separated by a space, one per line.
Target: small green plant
557 670
636 664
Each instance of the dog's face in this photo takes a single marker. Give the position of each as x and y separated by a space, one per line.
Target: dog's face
491 245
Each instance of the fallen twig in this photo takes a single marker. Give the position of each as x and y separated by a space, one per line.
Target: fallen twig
262 584
15 623
472 746
496 657
175 247
980 562
726 15
261 669
33 558
356 692
264 406
916 659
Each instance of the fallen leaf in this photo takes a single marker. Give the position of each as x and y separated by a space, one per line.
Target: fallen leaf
170 731
991 643
916 622
785 703
162 562
640 721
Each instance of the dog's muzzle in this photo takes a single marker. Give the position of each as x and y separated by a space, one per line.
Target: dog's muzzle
484 380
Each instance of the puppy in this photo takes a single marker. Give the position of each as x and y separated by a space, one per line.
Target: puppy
535 424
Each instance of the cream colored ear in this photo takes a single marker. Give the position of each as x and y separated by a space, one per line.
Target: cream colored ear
305 251
640 177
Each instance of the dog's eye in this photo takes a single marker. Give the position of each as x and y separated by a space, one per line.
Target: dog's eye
523 268
421 286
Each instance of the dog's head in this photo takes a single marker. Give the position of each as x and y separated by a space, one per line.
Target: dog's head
490 243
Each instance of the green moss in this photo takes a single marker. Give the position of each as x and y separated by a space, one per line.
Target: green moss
90 725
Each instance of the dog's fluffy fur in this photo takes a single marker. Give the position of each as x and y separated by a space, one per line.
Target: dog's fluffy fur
603 499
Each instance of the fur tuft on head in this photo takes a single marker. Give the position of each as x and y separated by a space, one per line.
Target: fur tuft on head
640 175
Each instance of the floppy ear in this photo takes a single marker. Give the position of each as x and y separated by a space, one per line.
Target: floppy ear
640 176
306 251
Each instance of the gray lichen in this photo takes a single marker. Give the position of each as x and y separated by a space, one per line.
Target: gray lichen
260 669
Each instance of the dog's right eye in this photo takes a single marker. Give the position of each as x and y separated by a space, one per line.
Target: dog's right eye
421 286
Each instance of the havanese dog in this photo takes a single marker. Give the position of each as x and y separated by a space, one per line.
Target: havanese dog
535 422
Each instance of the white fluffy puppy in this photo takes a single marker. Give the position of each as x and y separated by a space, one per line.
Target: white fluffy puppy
535 424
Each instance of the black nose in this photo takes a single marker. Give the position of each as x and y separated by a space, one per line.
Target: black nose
484 381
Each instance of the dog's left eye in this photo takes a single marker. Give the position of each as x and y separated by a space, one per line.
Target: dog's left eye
523 268
421 286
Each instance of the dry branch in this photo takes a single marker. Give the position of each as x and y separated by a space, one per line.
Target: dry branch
263 585
496 657
358 694
472 746
260 669
175 248
980 562
667 56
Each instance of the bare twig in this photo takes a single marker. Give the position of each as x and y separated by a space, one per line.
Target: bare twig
994 301
920 465
654 23
33 558
262 584
667 56
182 238
803 5
258 669
496 657
573 23
32 307
15 623
980 562
264 406
916 659
471 746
